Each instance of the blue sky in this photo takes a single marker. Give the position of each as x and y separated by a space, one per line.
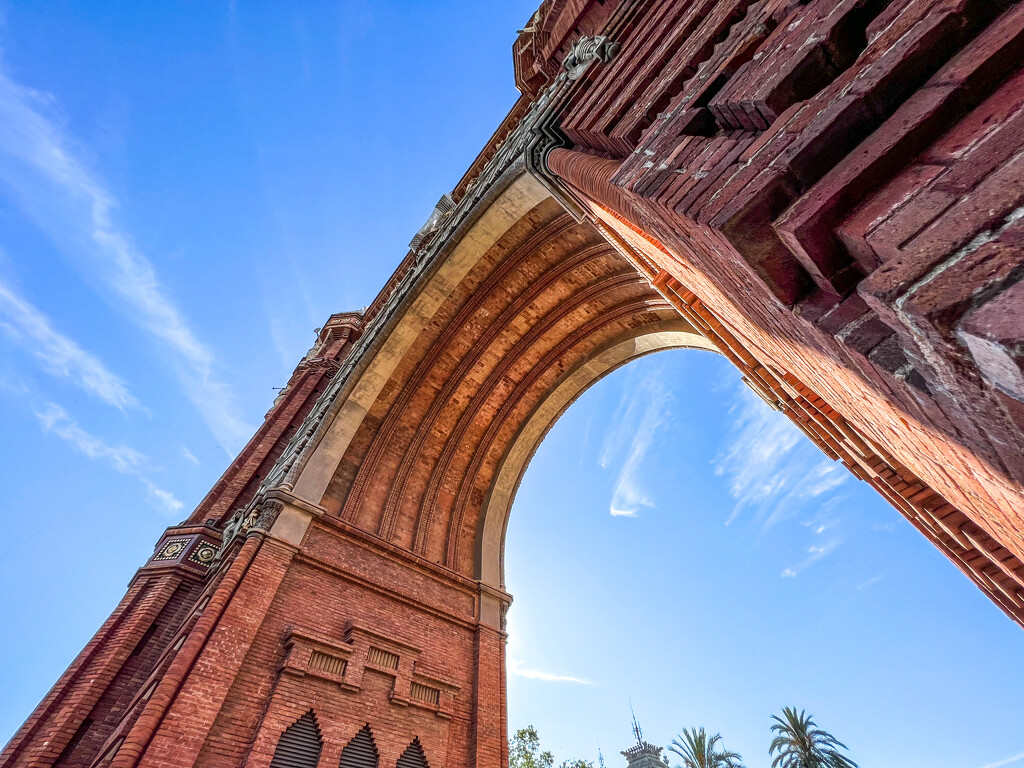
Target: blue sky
677 543
188 190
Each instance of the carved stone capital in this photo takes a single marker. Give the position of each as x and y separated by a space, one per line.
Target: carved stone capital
265 516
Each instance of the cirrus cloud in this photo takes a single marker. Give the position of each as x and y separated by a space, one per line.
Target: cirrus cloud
43 167
59 355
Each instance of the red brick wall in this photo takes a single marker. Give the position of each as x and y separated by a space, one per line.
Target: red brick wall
834 190
245 688
100 696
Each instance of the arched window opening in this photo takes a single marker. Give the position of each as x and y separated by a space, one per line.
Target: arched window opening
361 752
300 744
413 756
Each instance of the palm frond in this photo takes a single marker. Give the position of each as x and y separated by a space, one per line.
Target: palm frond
801 744
699 750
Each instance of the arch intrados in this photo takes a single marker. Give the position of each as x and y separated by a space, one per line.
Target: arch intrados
497 507
520 195
618 331
402 401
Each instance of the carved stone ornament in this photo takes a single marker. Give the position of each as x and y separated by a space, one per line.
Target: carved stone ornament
205 554
444 207
234 526
172 549
587 50
256 520
268 512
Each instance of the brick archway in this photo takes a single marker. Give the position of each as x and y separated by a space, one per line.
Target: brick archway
826 193
427 441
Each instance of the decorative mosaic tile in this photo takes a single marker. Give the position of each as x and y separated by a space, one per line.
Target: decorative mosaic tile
204 554
172 549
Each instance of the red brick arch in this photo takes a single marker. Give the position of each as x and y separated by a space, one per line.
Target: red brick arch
542 310
829 193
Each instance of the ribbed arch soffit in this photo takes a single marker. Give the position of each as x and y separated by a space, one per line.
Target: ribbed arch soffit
546 296
421 444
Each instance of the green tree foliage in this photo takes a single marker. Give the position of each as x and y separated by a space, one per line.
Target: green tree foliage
801 744
524 752
699 750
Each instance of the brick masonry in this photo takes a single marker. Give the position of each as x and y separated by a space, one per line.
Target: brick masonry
826 192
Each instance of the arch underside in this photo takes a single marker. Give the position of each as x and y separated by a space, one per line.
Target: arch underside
436 431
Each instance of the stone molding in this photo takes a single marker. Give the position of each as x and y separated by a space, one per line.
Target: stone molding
526 146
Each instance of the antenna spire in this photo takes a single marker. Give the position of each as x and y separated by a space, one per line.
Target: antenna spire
637 731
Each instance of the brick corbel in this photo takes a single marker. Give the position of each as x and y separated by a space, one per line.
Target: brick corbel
362 640
354 651
447 690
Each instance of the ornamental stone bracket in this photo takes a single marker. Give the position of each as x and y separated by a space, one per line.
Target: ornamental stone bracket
293 516
280 514
492 605
443 208
587 50
544 127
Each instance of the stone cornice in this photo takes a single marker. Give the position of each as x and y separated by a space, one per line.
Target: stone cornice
525 148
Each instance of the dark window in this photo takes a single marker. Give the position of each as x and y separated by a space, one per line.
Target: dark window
75 741
361 752
143 640
413 757
300 745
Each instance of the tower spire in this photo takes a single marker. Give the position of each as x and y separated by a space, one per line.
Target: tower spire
637 730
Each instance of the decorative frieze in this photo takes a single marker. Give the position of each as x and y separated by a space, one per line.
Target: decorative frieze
345 662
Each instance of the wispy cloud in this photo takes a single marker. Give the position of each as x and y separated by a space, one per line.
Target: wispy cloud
770 468
189 456
168 499
516 668
59 355
814 553
56 420
871 582
641 412
1007 761
123 459
824 477
43 167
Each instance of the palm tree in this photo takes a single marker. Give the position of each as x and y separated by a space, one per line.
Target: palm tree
698 750
801 744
